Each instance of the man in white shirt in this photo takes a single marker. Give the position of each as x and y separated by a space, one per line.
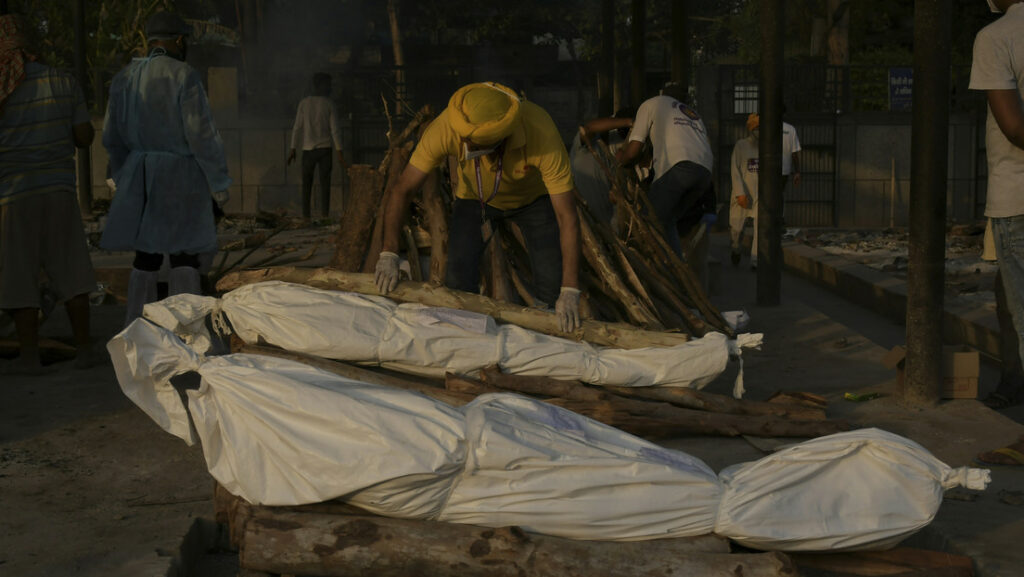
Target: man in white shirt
998 69
315 130
682 159
744 169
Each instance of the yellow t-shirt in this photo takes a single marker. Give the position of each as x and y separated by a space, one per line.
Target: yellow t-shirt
535 160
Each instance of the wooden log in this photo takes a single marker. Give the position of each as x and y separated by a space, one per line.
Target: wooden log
678 396
437 224
358 373
715 403
623 414
901 561
352 240
412 254
599 333
638 311
668 291
648 419
538 386
349 545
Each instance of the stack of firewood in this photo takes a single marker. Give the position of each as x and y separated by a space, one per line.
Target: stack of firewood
629 273
648 412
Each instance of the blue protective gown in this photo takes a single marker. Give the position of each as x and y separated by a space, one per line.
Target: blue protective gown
166 158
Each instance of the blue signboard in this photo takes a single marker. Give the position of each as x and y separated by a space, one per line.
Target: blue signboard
901 88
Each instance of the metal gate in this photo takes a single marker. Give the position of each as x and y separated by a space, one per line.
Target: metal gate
811 110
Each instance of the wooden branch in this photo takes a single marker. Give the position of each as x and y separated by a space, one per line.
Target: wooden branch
604 231
412 254
639 313
595 332
645 418
324 545
665 289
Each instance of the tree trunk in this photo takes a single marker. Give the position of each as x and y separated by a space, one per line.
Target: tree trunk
594 332
356 545
352 241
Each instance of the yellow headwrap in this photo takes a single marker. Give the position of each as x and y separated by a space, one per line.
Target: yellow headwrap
484 112
753 121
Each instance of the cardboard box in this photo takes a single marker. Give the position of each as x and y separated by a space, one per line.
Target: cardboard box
961 367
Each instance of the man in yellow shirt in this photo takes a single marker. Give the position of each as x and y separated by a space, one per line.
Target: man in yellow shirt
512 165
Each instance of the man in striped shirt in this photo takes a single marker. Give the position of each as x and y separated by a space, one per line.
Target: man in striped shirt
42 119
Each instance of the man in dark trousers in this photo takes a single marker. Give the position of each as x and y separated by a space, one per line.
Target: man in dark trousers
315 130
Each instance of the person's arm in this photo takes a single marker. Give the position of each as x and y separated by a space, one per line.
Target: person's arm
629 153
336 134
297 131
385 274
398 201
599 125
796 167
1006 109
568 237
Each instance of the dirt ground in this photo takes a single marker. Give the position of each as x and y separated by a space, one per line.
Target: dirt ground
90 486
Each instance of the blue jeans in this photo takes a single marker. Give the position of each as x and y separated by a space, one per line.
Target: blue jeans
1008 234
540 232
674 194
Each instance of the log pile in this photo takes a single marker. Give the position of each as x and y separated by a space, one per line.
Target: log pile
650 412
628 275
335 539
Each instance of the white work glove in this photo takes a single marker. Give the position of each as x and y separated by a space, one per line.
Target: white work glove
385 276
220 196
567 307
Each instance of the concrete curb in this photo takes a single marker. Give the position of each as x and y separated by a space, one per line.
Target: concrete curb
887 296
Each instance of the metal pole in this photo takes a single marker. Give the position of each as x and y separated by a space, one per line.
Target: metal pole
681 42
769 178
606 72
928 177
84 154
638 88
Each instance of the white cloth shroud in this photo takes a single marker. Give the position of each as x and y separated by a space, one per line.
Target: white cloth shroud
431 341
278 432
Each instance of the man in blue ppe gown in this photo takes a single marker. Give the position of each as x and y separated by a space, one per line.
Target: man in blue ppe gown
168 164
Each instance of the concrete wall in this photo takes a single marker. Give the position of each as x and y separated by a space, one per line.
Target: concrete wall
872 181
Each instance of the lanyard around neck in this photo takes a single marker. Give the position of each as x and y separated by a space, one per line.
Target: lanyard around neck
500 150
